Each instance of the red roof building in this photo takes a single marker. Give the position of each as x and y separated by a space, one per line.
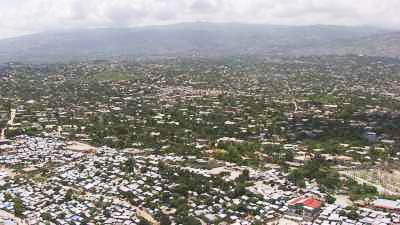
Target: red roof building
306 202
304 206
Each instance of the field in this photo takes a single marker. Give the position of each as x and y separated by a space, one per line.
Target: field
387 181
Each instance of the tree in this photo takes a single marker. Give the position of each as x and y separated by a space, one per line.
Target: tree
164 220
191 220
297 176
8 197
129 166
143 221
239 190
353 214
46 216
330 199
18 207
360 191
69 195
245 176
258 222
100 202
317 169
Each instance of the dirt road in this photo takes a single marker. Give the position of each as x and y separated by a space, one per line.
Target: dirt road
13 113
8 216
10 122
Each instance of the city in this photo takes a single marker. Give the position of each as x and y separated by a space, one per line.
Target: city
148 143
199 112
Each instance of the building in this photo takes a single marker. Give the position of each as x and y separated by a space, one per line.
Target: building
308 208
386 205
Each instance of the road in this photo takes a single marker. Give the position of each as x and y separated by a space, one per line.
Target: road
59 131
13 113
2 133
10 122
295 106
8 216
139 212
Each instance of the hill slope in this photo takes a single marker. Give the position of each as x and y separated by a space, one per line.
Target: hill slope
380 45
190 39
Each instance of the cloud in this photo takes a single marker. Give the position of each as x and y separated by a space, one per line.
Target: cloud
204 6
125 14
19 17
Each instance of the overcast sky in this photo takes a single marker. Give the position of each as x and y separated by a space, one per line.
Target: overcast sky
18 17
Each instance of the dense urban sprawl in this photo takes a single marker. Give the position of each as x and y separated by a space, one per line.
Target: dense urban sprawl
312 140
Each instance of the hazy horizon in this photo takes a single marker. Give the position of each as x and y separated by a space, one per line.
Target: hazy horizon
60 30
34 16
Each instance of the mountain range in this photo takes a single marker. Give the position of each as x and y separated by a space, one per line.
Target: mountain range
200 40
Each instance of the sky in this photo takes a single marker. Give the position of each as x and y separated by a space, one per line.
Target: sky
19 17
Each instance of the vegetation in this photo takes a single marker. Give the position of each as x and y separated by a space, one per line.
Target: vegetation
360 191
249 112
317 169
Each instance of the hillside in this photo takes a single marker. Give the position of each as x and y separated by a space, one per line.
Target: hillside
380 45
198 39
